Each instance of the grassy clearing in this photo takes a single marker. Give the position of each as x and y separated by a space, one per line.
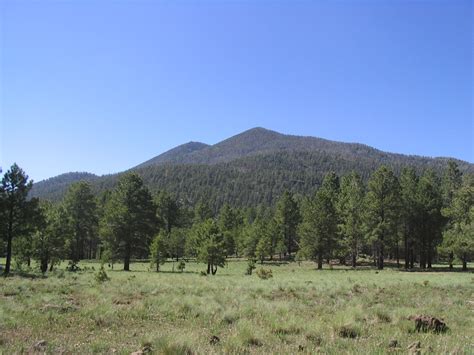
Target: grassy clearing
299 309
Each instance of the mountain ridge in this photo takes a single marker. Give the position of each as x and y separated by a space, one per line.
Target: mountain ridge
255 152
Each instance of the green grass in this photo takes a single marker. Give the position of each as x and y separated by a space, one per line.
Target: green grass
299 309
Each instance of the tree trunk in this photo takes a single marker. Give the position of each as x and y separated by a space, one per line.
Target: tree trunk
44 265
157 266
381 253
407 261
320 261
51 266
451 258
9 243
354 259
126 261
208 268
464 263
214 270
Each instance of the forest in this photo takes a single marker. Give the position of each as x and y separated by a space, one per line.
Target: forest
410 219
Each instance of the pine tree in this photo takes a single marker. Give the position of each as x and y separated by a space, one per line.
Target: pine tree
287 217
409 214
319 228
350 207
15 208
159 250
82 217
210 248
129 220
382 210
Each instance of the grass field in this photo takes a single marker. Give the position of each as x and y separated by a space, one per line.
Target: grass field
299 309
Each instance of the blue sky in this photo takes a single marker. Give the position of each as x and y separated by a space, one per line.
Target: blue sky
101 86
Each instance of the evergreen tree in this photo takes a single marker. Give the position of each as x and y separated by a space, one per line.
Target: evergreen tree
167 211
409 214
430 218
287 217
349 208
210 246
159 249
319 228
81 214
48 241
15 212
459 236
382 210
129 220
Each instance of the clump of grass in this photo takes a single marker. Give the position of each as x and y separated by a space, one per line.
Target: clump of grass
348 331
383 317
314 338
264 274
230 318
164 347
101 276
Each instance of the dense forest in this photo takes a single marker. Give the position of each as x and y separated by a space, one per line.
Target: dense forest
251 168
411 217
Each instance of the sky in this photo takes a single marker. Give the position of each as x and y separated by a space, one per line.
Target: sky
101 86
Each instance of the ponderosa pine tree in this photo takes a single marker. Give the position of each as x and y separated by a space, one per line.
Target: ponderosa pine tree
287 218
319 228
48 240
129 219
382 206
458 239
409 214
80 209
430 220
159 249
167 211
15 208
210 246
229 225
349 207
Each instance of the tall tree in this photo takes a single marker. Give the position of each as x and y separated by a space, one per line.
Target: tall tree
382 209
319 228
409 214
350 207
459 236
15 207
48 241
167 211
129 221
287 217
210 246
430 218
159 249
81 213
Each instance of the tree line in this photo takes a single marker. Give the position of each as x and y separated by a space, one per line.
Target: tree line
411 218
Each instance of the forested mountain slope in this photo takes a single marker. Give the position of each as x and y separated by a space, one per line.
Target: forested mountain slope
250 168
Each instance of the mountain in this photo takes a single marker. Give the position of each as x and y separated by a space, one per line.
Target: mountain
250 168
54 188
176 154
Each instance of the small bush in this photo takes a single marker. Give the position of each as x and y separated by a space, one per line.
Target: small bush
264 274
101 276
181 266
250 266
348 331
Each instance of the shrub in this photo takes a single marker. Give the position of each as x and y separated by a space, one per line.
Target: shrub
250 266
348 331
101 275
264 274
181 266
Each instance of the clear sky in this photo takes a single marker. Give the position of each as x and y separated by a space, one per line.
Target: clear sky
101 86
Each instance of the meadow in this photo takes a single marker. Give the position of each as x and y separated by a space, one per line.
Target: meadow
298 310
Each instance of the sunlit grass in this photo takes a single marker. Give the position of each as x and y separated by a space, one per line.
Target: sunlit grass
299 309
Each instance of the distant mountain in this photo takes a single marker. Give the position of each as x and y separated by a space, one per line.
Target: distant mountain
55 187
176 154
250 168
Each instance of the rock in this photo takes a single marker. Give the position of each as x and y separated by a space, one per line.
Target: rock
393 343
214 340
